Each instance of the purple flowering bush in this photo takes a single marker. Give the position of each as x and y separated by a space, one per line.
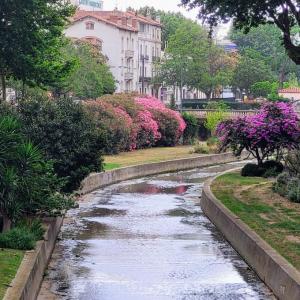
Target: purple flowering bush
272 130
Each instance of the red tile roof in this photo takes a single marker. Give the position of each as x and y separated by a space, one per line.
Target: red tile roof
290 90
115 18
98 15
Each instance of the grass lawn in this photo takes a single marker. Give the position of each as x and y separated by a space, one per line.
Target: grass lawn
147 156
9 264
274 218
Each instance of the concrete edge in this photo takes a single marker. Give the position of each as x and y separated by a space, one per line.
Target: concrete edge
278 274
97 180
27 282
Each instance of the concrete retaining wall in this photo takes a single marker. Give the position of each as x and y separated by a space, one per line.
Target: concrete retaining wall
30 275
282 278
98 180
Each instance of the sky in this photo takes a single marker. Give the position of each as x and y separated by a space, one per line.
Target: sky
167 5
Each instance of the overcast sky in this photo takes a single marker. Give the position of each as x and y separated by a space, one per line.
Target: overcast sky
167 5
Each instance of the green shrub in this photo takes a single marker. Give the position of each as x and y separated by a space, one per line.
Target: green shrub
66 134
201 148
273 165
281 184
168 127
192 128
18 238
35 226
293 190
252 170
23 236
292 163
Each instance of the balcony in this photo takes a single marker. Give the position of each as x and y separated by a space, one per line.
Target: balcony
128 76
129 54
146 79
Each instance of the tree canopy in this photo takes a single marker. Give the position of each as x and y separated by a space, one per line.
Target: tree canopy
246 14
91 78
191 59
30 41
266 39
170 21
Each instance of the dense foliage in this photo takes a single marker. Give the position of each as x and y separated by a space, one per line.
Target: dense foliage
272 130
64 132
28 184
92 77
266 40
248 14
31 40
130 122
288 183
192 128
23 236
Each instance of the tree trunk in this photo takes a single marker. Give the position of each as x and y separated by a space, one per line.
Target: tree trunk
3 86
6 223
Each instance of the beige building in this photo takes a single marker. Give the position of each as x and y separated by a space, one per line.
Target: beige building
293 94
131 43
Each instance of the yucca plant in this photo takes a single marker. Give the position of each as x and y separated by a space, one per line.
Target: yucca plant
27 182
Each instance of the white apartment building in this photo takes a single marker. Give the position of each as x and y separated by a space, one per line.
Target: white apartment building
131 43
94 5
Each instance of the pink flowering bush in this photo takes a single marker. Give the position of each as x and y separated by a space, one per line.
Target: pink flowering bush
114 124
271 131
148 133
171 124
130 122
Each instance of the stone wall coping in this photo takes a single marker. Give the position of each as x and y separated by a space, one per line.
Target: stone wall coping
98 180
29 277
278 274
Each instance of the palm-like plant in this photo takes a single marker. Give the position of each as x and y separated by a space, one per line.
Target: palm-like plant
27 182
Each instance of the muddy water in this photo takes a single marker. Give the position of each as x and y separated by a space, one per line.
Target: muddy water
148 239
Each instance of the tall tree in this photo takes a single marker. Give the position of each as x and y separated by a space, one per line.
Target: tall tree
92 77
251 69
170 21
192 59
246 14
30 41
266 39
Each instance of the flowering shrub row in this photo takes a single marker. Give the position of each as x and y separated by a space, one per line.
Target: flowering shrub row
130 122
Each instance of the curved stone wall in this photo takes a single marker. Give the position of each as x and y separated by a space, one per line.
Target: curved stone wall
281 277
98 180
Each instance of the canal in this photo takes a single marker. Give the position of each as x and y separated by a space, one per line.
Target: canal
148 239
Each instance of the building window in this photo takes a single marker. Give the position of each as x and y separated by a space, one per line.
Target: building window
89 26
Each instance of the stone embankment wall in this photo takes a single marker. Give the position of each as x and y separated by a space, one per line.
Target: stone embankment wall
98 180
280 276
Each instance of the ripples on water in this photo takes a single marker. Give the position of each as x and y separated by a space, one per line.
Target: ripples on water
148 239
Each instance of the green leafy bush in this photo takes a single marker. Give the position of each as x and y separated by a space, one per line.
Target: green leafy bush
281 184
66 134
18 238
192 128
23 236
201 148
270 168
293 190
252 170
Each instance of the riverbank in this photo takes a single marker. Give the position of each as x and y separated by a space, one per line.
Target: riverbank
150 155
147 238
271 216
10 261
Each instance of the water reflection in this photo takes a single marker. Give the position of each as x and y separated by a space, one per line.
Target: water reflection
148 239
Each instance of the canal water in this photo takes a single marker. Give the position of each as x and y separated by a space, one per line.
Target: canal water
147 239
